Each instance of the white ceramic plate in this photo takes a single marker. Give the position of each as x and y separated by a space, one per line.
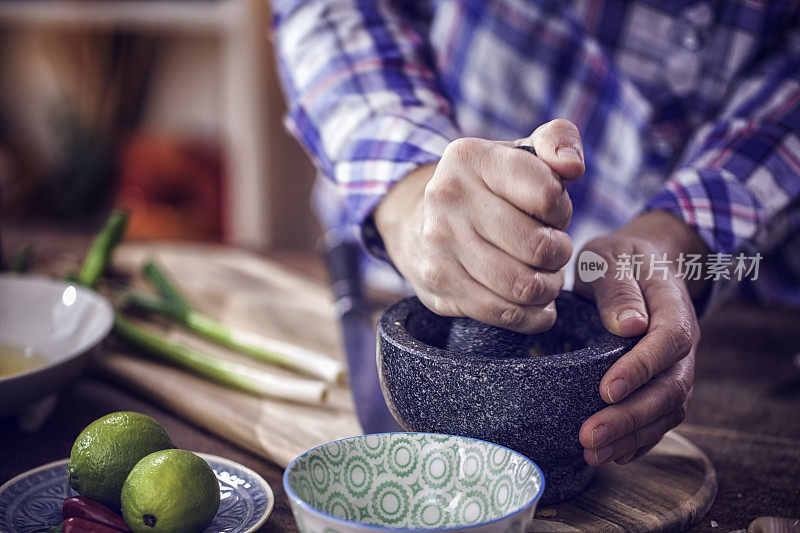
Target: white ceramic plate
33 500
60 321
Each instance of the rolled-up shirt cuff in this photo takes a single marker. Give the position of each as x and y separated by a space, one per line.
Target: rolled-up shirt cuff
719 208
386 150
712 202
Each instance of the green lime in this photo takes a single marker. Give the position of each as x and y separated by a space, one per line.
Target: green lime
106 451
171 491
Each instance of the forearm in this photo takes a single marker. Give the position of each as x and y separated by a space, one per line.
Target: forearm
363 95
403 201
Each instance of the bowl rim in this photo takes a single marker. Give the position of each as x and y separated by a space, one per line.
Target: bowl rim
405 341
294 498
107 314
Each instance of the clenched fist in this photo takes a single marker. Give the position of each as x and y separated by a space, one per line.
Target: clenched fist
481 233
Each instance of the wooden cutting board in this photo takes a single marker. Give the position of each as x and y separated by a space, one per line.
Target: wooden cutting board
668 490
238 288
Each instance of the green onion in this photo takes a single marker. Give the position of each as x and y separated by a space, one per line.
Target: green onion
241 377
175 306
99 254
168 291
245 378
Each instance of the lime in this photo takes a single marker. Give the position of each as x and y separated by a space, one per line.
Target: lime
106 451
171 491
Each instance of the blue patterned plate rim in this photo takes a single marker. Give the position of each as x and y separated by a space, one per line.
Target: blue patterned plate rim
255 477
352 523
214 460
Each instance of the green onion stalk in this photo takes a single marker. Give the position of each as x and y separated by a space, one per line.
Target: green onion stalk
242 377
174 305
99 255
169 292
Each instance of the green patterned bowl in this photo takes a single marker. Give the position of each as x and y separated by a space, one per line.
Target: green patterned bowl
412 482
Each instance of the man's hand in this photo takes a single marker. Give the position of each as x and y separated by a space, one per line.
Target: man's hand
481 233
649 387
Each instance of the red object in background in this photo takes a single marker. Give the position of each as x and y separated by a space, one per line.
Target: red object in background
172 188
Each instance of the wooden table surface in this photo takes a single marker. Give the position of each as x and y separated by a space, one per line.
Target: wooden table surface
745 412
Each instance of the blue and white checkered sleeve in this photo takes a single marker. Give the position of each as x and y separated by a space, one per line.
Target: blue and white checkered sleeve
364 97
743 169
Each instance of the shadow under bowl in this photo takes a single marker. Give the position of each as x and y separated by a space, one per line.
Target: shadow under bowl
532 404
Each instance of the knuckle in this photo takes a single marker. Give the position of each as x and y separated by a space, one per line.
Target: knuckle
567 127
624 293
528 287
561 132
680 337
559 285
433 301
511 317
441 305
562 215
682 389
433 274
434 233
549 316
545 318
443 190
553 248
630 421
643 368
547 248
563 248
677 391
462 149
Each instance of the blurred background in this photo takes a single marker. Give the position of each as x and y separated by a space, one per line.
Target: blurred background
171 108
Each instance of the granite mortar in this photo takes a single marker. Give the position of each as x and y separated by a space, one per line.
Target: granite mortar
461 377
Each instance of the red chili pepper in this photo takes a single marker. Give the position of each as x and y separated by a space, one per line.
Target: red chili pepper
81 525
87 509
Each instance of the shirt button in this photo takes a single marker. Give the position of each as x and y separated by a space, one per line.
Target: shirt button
682 72
663 148
689 38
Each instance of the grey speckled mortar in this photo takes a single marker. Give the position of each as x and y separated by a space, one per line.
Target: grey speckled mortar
534 405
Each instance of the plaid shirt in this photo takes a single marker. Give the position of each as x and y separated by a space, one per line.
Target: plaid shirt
687 106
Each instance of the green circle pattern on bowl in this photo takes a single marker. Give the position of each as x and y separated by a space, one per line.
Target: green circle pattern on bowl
416 481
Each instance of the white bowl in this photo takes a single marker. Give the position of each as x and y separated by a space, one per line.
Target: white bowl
59 321
393 482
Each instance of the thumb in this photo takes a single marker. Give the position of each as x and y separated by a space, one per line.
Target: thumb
558 144
620 302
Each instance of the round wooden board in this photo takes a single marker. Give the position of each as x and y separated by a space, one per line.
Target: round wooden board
669 489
